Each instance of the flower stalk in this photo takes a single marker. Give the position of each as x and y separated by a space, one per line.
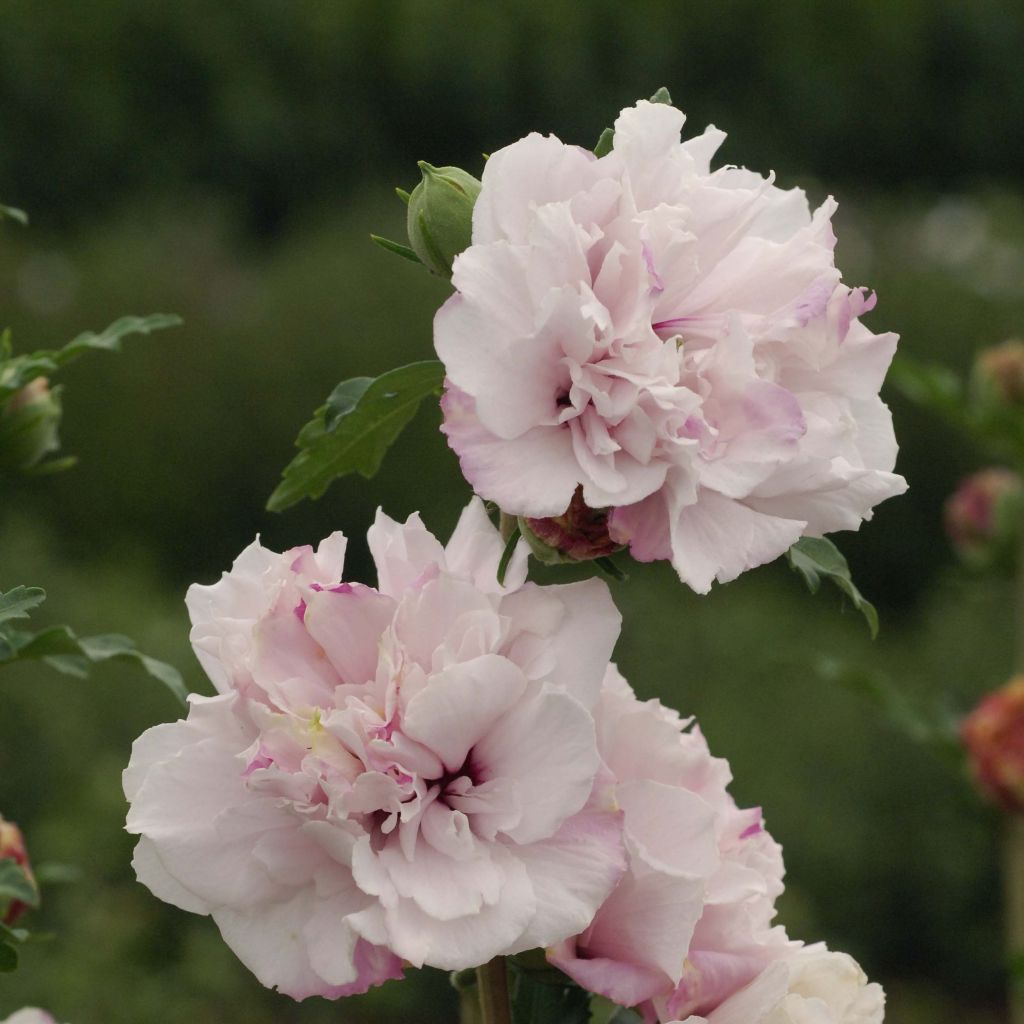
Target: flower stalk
492 981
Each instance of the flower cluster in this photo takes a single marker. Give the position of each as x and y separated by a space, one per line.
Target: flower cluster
675 343
443 769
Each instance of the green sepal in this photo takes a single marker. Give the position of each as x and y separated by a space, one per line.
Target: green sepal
347 436
397 248
606 141
13 213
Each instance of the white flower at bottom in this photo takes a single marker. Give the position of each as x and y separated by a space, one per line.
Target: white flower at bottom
401 773
811 985
29 1015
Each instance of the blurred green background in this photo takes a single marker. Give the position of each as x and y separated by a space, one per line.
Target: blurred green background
227 162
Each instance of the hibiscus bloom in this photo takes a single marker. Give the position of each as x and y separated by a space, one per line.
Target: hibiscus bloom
671 342
690 923
811 984
401 773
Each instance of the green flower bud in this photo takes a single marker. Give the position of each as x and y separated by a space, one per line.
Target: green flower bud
440 216
28 426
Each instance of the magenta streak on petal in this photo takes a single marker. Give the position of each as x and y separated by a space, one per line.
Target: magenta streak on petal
300 611
338 588
261 760
659 284
756 827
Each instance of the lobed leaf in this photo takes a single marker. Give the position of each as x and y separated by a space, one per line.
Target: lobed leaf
61 649
18 371
815 559
353 430
17 603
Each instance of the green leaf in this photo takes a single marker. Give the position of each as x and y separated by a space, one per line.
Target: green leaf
611 570
816 558
546 997
343 399
397 248
662 96
357 440
61 649
13 213
20 370
15 885
17 603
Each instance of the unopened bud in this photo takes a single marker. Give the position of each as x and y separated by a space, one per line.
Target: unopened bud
999 374
12 847
578 535
440 216
29 421
993 734
983 515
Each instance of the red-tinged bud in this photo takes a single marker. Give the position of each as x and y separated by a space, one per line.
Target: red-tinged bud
12 847
993 734
983 516
999 373
578 535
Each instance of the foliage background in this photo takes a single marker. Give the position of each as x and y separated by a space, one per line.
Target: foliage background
227 161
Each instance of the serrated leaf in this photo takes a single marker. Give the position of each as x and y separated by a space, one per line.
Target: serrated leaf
21 370
816 558
17 603
61 649
343 399
546 997
13 213
397 248
15 885
358 440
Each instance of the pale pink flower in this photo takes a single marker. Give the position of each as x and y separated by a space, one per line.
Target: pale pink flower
673 340
400 773
809 984
30 1015
691 921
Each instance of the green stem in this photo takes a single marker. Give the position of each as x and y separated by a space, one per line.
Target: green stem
492 980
